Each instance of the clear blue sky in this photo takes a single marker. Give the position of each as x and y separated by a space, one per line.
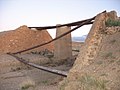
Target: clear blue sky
15 13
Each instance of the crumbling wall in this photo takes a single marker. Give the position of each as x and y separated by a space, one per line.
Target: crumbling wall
91 70
23 38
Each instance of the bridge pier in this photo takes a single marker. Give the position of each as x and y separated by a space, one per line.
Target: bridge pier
63 46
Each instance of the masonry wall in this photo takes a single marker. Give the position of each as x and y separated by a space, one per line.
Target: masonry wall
88 67
23 38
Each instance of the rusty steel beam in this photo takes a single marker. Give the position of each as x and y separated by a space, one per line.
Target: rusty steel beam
81 24
69 24
54 71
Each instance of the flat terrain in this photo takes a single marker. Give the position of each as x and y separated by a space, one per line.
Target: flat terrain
16 76
21 77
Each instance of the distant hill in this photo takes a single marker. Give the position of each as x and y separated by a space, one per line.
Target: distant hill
79 39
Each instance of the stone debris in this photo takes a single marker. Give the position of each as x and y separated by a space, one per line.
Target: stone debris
112 30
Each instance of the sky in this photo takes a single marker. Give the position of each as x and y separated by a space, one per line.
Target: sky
15 13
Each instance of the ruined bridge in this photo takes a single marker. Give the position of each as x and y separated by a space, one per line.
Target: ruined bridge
63 36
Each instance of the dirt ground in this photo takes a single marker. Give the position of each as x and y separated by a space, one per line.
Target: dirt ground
28 78
16 76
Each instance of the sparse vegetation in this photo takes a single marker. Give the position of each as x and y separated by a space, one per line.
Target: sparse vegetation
63 84
109 55
118 62
110 23
100 62
27 84
112 41
111 61
90 83
45 53
45 82
104 74
118 50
